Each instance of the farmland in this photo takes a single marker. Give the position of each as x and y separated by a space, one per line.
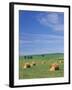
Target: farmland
41 69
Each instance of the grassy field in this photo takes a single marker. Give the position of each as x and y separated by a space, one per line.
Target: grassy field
41 70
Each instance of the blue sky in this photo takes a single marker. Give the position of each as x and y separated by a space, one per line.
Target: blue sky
41 32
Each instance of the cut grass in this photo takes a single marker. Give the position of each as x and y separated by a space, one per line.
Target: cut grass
41 70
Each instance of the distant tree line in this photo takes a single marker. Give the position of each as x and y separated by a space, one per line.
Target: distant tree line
28 57
42 55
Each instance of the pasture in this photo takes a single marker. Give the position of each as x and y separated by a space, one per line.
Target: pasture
39 66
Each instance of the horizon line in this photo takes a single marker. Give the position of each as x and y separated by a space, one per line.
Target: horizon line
41 54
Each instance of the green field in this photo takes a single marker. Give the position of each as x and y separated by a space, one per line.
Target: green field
41 70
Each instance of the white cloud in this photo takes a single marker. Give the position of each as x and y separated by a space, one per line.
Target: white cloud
51 20
59 27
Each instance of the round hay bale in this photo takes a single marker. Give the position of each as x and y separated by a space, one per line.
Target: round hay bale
55 65
27 65
33 63
60 61
52 69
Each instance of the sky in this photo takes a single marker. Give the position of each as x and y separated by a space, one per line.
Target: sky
41 32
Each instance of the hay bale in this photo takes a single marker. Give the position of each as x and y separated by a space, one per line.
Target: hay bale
27 65
52 69
60 61
55 66
33 63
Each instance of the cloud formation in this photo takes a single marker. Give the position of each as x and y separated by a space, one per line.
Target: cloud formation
41 32
52 20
